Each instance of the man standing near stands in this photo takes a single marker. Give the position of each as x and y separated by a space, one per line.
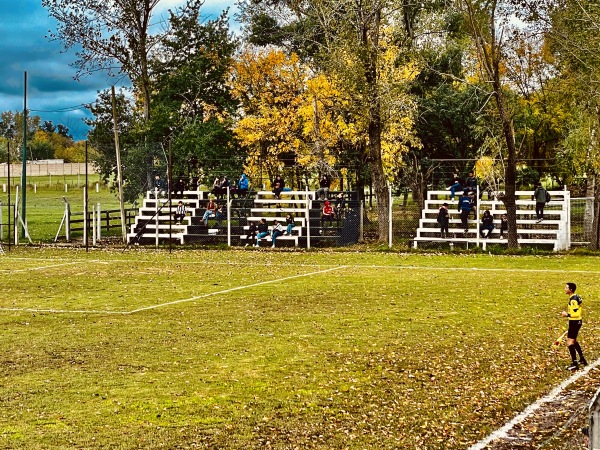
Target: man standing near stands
539 195
464 206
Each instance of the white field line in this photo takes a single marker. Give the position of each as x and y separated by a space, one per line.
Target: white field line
502 433
238 288
175 302
65 311
73 260
482 269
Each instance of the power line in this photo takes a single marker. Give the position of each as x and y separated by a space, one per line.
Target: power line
66 109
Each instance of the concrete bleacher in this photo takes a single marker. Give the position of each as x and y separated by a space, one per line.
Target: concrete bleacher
155 219
266 206
553 230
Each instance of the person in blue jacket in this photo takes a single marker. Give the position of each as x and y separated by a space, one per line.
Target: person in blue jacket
464 207
243 185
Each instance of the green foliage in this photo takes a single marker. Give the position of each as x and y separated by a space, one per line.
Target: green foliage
193 107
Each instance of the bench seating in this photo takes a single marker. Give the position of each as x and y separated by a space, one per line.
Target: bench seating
263 194
276 201
299 221
151 235
552 230
269 239
296 231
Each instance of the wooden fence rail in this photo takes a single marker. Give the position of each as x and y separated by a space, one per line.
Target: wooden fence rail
109 219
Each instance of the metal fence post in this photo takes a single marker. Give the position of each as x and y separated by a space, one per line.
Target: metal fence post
85 216
94 218
228 219
361 228
390 228
68 221
567 200
99 224
156 221
307 215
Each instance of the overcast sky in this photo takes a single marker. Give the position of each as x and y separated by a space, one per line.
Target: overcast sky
52 93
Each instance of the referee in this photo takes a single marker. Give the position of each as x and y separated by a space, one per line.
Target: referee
574 315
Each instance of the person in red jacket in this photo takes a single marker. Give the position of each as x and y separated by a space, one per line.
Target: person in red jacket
327 214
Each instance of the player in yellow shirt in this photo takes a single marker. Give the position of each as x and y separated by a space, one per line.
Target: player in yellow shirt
574 314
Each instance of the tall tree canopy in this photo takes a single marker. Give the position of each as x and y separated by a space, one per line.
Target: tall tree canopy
361 45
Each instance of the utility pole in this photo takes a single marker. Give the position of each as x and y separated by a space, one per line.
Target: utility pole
24 171
119 173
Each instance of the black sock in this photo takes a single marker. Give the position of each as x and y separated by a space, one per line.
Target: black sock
578 349
572 352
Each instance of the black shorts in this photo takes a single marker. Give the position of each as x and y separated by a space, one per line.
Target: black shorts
574 326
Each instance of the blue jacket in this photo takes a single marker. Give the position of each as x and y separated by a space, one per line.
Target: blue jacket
464 203
243 182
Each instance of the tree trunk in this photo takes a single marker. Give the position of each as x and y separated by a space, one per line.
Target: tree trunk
377 175
370 42
509 199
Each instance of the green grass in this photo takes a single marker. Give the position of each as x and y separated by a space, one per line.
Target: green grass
242 350
45 206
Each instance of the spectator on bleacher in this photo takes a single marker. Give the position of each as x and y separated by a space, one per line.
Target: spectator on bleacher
180 212
471 182
225 183
539 195
216 189
473 203
220 214
278 185
277 231
487 224
178 188
289 220
251 236
464 206
503 225
324 184
455 186
340 204
443 218
243 185
327 214
211 209
263 231
159 186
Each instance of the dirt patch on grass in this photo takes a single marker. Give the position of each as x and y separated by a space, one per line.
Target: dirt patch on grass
556 425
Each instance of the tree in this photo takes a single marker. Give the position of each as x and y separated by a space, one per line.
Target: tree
114 36
11 128
488 22
572 30
347 40
269 86
101 137
193 107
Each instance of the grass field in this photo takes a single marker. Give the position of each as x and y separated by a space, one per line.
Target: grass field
282 350
45 206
